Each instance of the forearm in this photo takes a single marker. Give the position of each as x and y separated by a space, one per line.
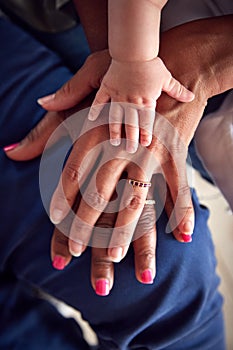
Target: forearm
221 60
134 29
204 51
94 18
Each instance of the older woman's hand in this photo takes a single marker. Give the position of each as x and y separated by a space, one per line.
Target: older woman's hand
102 268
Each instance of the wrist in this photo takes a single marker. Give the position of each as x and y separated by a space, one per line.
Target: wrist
134 29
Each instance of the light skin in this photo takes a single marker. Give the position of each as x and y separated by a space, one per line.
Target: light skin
136 76
206 46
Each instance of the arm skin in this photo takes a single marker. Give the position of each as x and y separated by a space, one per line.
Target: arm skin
207 48
134 27
93 15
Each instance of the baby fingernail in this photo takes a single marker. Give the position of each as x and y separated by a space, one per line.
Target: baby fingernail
115 142
56 216
116 254
59 262
131 149
147 277
102 287
45 99
186 238
10 147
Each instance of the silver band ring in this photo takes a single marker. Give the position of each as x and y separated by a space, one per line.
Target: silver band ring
137 183
150 202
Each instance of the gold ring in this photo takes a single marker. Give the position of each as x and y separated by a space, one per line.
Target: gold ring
137 183
150 202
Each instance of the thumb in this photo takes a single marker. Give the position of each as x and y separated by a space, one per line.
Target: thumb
178 91
34 142
70 94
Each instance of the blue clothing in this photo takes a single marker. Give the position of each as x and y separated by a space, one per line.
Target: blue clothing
182 310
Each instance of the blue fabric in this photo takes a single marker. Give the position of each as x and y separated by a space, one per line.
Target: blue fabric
180 311
29 323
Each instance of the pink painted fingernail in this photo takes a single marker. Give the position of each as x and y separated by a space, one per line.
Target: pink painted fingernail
10 147
45 99
188 226
186 238
59 262
147 277
102 287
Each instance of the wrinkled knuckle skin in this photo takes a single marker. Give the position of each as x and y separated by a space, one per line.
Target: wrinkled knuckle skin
66 90
33 135
147 255
101 263
72 172
184 191
147 221
134 202
95 200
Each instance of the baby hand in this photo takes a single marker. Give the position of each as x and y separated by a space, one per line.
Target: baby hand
133 88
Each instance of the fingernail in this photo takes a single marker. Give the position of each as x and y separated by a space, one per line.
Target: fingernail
45 99
186 238
131 149
102 287
92 117
76 249
59 262
191 95
10 147
145 143
188 226
56 216
147 277
116 254
115 142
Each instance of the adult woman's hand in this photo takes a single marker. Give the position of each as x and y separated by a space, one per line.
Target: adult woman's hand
87 79
102 268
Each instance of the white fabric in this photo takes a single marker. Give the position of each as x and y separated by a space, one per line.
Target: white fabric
177 12
214 145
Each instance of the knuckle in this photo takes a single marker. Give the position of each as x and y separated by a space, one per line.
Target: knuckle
131 129
73 172
66 90
147 220
184 191
95 200
134 202
147 255
135 100
33 135
114 127
101 263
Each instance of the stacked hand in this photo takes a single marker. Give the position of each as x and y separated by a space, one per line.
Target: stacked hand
174 128
133 87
